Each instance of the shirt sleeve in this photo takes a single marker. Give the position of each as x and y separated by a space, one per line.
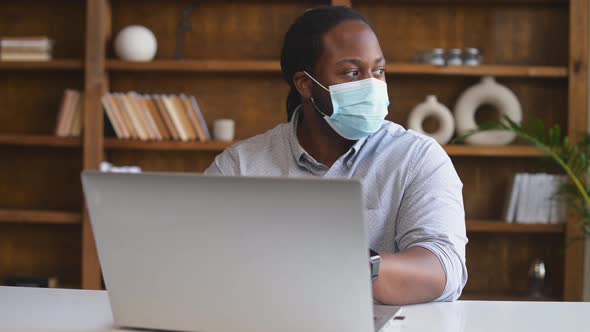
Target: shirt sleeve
226 163
432 215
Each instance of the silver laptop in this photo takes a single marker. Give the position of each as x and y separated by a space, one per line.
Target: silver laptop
195 253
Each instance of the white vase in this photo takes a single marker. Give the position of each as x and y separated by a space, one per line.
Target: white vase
444 117
489 92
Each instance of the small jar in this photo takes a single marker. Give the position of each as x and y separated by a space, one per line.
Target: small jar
437 57
454 57
471 57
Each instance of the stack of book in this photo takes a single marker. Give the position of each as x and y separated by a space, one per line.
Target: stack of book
534 199
25 49
70 117
155 117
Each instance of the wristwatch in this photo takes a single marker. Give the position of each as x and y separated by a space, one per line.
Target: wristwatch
374 260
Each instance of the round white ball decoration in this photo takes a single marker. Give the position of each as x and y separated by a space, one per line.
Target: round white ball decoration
444 117
136 43
489 92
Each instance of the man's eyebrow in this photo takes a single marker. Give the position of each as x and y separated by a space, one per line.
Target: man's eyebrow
357 61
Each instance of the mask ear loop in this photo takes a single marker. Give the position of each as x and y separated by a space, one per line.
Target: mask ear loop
318 83
317 108
311 98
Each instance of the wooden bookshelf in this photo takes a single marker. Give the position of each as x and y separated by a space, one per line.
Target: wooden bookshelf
269 66
66 64
39 217
486 226
240 78
39 140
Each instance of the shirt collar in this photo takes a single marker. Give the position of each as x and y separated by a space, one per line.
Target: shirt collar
303 158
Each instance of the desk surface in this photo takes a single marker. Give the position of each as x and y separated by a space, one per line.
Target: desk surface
36 309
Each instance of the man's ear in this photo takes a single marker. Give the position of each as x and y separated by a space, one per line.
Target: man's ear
303 84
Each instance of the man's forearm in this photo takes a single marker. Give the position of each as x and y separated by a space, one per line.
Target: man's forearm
412 276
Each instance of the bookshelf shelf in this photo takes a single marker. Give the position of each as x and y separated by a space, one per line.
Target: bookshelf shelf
452 150
39 140
492 151
246 66
39 217
483 70
119 144
65 64
271 66
488 226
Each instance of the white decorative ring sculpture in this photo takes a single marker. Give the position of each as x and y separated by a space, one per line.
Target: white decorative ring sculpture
491 93
431 107
136 43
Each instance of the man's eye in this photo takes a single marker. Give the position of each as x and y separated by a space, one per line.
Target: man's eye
352 73
380 71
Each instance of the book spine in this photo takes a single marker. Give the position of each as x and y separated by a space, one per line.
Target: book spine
182 113
141 116
194 121
168 102
197 110
111 116
117 98
150 106
159 103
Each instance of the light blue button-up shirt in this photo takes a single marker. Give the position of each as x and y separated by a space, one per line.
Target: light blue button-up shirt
412 192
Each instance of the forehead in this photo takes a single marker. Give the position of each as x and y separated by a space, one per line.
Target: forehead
351 39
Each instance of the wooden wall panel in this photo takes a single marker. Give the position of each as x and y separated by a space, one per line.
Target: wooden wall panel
221 30
30 102
499 264
37 178
41 250
46 18
507 34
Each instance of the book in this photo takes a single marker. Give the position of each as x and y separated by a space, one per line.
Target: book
144 121
513 200
130 111
183 114
112 117
60 126
76 126
38 42
173 113
159 103
155 114
533 199
197 110
192 116
24 57
67 114
116 103
25 49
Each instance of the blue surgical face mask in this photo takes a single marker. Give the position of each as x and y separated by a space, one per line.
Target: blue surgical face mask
359 107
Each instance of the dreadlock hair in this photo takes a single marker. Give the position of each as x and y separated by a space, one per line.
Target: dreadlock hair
303 44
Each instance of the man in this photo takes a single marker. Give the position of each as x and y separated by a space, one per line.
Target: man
332 60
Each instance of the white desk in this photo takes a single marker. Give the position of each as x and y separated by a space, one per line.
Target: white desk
34 310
